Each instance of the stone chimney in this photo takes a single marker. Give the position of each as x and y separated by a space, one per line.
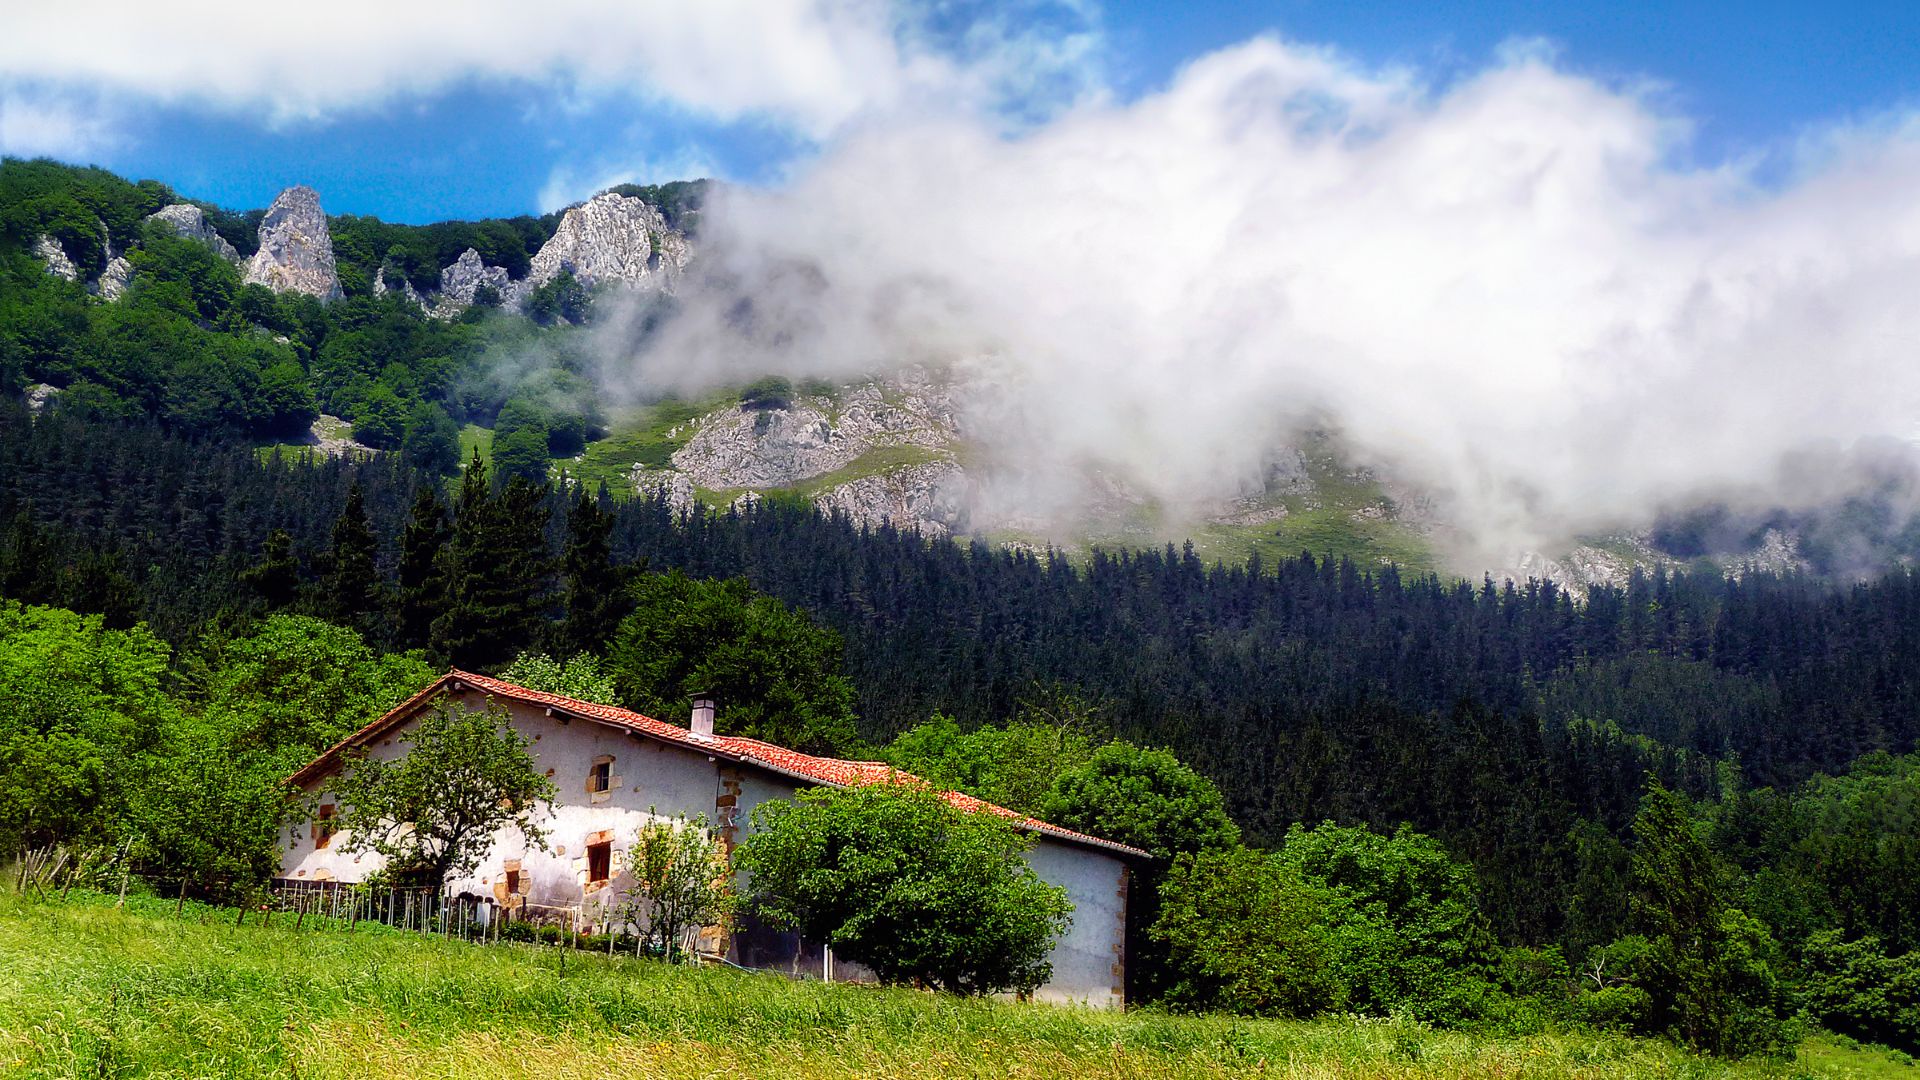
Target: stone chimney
703 714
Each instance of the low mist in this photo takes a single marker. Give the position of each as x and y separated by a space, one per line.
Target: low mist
1513 294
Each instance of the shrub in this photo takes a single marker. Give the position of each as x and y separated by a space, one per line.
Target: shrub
894 877
1245 932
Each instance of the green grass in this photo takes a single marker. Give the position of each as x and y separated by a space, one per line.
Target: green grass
327 427
474 438
639 437
883 459
92 991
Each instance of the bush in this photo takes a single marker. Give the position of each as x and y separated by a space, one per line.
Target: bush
772 392
1855 988
894 877
1246 933
1408 935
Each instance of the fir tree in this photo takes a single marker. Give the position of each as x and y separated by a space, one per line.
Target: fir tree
496 574
594 598
351 591
422 593
276 577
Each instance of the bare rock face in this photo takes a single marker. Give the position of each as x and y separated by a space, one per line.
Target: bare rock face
55 257
188 220
674 487
928 497
406 289
461 281
611 238
41 396
114 279
758 448
296 250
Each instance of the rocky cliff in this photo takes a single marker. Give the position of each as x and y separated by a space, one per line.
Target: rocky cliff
188 220
55 257
116 273
611 238
462 280
296 250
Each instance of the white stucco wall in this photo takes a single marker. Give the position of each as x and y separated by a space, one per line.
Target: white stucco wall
1088 960
651 778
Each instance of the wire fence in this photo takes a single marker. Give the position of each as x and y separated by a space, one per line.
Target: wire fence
338 906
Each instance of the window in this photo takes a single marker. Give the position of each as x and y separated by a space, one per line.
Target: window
323 827
601 778
599 861
513 883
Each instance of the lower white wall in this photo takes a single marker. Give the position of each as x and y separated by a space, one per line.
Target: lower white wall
1089 960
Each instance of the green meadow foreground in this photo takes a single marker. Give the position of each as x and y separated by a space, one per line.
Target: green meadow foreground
92 991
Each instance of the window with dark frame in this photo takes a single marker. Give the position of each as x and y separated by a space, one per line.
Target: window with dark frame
323 827
601 779
600 861
513 883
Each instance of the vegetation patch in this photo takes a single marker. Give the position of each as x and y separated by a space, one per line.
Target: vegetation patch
642 437
97 991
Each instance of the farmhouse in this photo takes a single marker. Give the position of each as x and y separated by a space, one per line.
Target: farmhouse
613 770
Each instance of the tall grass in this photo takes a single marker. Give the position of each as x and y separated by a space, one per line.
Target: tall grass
88 990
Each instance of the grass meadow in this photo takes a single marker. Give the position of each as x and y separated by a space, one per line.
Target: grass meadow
87 990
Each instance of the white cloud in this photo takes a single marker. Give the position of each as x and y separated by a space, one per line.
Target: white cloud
809 65
1505 291
570 183
34 124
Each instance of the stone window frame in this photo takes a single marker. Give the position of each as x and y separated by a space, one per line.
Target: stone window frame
601 841
600 779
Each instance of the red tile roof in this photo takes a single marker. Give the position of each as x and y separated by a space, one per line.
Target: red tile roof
833 772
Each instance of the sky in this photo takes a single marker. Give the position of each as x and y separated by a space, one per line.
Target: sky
1553 269
418 112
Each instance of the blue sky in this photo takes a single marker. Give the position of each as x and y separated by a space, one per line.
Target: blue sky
485 134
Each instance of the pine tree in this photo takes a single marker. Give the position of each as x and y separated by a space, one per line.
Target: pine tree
276 577
422 595
595 600
496 574
351 591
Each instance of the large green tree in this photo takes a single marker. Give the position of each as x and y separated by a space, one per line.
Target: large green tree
352 591
774 672
1245 932
1408 935
432 812
1710 969
594 593
894 877
1149 799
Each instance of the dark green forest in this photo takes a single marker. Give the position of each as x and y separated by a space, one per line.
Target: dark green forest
1690 804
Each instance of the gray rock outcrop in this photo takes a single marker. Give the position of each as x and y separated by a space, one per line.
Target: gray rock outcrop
114 279
461 280
759 448
296 250
928 497
611 238
406 289
55 257
188 220
674 487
